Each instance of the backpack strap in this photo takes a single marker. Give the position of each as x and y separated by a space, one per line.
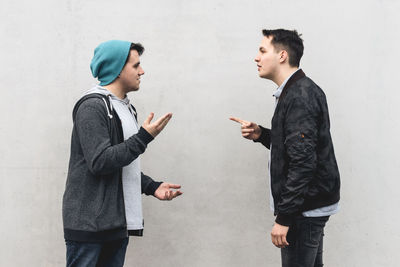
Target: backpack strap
113 116
106 100
134 111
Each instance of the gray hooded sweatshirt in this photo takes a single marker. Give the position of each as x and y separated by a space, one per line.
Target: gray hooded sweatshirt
104 171
131 174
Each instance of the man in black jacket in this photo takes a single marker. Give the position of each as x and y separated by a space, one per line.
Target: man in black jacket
102 200
304 176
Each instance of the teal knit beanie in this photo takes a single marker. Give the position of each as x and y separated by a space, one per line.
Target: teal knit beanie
108 60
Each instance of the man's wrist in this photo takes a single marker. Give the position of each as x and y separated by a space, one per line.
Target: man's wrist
259 139
145 136
153 186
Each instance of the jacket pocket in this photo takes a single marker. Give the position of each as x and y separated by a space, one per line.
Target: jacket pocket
292 136
299 146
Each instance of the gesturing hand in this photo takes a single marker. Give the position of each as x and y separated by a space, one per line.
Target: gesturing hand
164 191
250 130
154 128
278 235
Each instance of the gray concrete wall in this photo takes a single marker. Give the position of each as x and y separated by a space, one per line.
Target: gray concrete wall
199 65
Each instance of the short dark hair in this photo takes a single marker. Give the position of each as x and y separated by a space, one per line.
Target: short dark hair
135 46
138 47
289 41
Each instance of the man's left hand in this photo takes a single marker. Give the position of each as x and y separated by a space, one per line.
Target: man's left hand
164 191
278 235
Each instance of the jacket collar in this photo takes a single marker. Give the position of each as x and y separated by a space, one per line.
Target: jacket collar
295 77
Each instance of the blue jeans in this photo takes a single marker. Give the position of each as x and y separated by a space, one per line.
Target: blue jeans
96 254
305 239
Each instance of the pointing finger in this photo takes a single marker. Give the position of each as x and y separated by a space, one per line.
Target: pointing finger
237 120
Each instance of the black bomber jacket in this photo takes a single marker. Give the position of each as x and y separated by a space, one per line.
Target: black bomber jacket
304 172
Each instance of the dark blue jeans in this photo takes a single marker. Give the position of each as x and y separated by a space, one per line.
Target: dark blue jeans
305 239
84 254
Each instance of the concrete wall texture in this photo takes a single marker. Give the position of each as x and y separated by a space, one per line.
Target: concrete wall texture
199 65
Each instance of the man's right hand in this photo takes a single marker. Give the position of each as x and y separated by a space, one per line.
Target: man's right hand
154 128
250 130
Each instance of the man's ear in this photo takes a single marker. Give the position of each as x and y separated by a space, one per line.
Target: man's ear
283 56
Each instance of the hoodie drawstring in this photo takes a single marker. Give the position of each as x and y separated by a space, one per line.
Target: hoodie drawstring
108 111
109 99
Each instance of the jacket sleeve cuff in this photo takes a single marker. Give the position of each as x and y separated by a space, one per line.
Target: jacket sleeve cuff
144 136
285 220
152 187
265 137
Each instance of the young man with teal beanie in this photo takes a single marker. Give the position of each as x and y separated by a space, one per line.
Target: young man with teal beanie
102 201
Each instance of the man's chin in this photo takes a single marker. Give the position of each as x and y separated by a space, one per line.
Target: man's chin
132 89
263 76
